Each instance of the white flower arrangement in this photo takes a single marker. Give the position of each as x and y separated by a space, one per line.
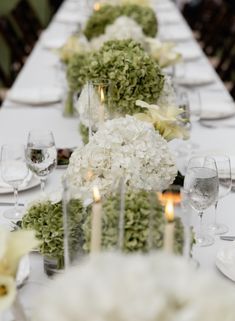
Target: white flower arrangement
124 148
122 28
155 287
13 246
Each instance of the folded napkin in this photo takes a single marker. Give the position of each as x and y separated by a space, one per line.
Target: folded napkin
195 79
36 96
188 53
6 188
52 43
174 34
68 17
169 17
216 107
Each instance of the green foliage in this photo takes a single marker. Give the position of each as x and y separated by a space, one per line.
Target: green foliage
76 71
46 219
84 131
132 73
143 227
107 14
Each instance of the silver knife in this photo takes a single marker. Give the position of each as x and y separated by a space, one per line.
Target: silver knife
227 238
10 204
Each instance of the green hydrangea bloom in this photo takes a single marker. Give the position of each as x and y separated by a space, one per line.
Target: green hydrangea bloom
144 16
46 219
132 73
143 228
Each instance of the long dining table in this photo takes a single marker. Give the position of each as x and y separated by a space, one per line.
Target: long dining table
42 70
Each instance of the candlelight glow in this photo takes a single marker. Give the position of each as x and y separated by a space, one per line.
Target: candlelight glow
169 210
101 95
97 6
164 197
89 175
96 194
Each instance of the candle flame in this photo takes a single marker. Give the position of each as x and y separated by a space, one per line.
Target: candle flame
97 6
101 95
96 194
164 197
169 210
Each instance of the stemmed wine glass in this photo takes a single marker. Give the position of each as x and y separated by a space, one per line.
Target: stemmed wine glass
41 154
225 184
190 102
202 186
14 171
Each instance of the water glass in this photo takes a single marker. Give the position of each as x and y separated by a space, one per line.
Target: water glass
14 171
223 166
202 186
41 154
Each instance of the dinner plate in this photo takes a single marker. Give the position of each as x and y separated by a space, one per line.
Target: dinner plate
31 182
68 18
215 110
36 96
199 80
225 261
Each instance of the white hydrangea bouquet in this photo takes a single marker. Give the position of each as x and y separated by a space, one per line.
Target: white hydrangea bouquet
153 287
124 148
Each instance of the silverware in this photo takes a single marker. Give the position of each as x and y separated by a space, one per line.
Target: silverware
10 204
227 238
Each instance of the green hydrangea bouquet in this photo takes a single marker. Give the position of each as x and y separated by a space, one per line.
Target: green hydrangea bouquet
132 73
144 16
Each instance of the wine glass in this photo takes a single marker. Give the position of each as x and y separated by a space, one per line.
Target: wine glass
13 170
202 186
225 184
41 154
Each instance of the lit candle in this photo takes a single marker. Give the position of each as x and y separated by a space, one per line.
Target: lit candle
96 6
96 223
101 109
170 226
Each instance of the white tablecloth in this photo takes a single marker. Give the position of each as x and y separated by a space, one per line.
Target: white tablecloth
42 68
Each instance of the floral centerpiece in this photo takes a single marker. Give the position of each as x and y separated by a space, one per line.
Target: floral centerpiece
46 218
123 148
13 246
132 72
141 207
144 16
136 287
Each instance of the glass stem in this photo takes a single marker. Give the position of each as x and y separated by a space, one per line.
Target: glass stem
16 198
200 225
215 220
42 181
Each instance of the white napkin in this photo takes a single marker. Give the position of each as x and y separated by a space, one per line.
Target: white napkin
68 17
179 34
52 43
189 53
36 96
4 187
225 261
195 79
214 109
169 17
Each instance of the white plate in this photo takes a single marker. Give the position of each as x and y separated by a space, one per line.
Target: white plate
189 53
213 110
68 18
199 80
32 182
174 34
36 96
225 261
52 43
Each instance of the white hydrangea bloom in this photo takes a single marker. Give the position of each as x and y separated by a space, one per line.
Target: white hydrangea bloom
122 28
123 148
154 287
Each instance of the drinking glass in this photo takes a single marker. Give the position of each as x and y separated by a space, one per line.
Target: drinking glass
202 186
225 184
41 154
14 170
